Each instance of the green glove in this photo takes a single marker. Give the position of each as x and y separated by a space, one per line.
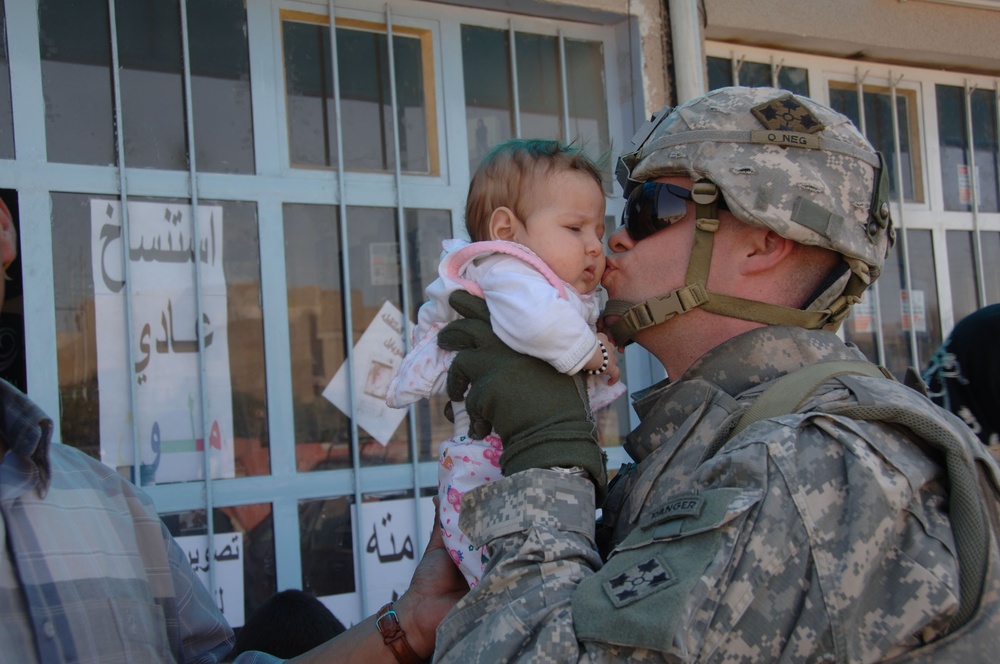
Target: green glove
542 416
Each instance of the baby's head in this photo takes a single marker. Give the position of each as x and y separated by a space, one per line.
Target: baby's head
546 196
509 174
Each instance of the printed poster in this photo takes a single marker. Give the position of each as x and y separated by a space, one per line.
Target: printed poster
376 356
391 548
227 553
165 344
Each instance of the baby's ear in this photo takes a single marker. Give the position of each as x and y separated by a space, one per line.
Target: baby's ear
502 224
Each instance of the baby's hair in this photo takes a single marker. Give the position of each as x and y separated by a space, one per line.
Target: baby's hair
505 176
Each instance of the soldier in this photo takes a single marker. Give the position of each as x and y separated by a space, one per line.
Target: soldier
787 502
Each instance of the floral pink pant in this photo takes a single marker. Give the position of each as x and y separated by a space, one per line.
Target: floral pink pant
465 464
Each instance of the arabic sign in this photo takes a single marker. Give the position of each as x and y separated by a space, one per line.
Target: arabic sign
391 549
376 356
228 555
161 255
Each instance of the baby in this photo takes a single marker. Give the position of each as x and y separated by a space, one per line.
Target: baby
535 213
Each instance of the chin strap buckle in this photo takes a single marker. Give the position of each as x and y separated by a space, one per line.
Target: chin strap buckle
656 310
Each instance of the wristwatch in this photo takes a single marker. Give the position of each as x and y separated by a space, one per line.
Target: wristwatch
388 626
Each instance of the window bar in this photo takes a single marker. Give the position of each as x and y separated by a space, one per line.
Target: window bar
874 288
345 266
126 273
977 255
737 64
564 87
513 79
914 356
775 70
198 295
404 267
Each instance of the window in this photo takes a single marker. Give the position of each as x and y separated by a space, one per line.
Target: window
317 326
953 138
491 115
878 129
756 75
99 374
365 95
77 82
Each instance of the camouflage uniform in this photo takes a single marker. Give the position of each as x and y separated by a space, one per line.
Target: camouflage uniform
820 535
808 537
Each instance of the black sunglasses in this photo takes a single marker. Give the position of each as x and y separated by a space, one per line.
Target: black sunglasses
653 206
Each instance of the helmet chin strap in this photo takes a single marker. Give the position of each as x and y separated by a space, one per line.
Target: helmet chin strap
635 317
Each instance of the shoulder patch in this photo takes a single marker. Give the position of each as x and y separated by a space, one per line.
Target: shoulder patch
640 580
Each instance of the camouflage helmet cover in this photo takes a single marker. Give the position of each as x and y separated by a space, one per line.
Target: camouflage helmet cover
781 161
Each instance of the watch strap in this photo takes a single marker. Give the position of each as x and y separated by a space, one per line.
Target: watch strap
393 635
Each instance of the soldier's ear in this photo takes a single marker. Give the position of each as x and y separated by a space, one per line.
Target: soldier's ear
764 249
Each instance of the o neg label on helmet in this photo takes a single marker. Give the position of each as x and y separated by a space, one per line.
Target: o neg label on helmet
785 138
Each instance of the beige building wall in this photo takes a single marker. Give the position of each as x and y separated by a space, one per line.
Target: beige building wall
931 33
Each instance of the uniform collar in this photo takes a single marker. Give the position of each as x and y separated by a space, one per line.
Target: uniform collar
728 370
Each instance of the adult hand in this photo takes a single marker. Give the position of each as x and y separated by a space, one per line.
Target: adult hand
436 586
542 416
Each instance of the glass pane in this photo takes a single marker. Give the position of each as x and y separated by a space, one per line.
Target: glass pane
952 135
312 137
6 114
220 85
588 102
316 331
95 383
795 79
75 45
755 75
327 548
878 129
961 269
489 96
316 334
896 304
365 98
243 550
538 86
152 83
720 73
984 136
990 245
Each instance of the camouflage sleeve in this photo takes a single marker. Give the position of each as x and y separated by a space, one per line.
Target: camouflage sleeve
539 527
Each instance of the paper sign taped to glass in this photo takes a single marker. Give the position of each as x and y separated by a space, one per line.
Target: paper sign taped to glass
376 356
164 364
227 556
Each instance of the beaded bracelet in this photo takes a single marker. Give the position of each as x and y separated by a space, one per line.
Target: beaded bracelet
604 364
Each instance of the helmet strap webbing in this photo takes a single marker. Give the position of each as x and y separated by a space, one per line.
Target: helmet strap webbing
656 310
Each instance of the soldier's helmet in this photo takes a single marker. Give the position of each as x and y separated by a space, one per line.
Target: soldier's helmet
781 161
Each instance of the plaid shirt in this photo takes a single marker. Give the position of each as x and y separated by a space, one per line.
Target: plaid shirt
88 571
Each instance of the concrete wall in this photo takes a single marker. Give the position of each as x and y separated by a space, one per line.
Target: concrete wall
926 33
